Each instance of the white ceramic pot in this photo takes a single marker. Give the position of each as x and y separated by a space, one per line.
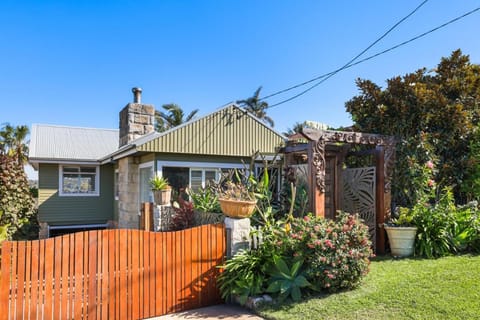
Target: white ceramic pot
402 240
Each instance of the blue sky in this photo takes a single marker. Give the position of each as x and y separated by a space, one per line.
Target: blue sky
75 62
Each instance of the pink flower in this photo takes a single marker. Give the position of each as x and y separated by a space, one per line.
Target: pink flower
306 218
431 183
429 164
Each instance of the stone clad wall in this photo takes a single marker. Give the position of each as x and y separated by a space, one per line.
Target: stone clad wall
128 189
136 120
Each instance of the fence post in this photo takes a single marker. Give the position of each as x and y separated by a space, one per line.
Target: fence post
238 235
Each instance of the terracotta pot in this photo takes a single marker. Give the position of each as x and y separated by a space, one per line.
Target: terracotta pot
402 240
162 197
236 208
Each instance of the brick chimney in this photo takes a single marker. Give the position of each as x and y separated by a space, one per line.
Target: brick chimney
136 119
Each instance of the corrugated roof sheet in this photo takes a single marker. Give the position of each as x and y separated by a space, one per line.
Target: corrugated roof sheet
71 143
230 131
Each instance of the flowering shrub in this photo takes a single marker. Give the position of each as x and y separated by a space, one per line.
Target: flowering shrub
330 255
336 253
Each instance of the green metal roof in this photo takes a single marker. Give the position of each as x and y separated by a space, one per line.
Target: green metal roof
230 131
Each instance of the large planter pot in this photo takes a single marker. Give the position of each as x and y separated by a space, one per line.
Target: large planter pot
162 197
237 209
402 240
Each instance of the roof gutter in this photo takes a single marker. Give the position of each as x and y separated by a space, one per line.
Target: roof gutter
131 149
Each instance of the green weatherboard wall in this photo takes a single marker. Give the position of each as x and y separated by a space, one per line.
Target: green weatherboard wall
56 210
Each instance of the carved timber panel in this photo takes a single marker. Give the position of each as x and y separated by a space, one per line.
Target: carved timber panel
359 196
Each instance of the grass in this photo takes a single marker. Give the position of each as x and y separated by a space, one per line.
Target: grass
446 288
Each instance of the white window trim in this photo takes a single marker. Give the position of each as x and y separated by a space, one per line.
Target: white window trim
197 165
149 164
60 181
204 183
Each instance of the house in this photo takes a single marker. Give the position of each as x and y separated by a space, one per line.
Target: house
97 178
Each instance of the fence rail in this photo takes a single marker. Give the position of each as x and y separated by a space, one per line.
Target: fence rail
111 274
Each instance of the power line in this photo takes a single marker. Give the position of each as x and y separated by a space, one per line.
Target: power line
353 59
326 76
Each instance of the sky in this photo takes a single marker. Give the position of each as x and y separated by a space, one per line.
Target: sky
74 62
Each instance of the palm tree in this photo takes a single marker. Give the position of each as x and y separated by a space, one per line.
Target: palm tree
172 117
12 142
257 107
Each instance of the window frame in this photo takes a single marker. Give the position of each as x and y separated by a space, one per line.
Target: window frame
97 180
217 166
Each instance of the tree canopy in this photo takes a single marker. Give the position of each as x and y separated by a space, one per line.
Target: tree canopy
172 117
257 107
16 201
434 114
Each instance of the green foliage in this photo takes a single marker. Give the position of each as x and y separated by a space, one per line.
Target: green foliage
444 228
300 203
434 116
287 281
471 184
257 107
3 229
434 223
404 217
243 275
29 228
311 254
205 199
466 228
16 201
159 183
336 253
172 117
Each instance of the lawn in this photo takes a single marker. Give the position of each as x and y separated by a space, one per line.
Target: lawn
446 288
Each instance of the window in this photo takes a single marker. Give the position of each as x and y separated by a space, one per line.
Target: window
199 178
145 174
79 180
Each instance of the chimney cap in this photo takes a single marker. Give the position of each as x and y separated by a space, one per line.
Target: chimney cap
137 94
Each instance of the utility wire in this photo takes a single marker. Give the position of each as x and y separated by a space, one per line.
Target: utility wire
352 60
326 76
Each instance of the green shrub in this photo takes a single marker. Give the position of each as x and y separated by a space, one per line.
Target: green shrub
466 230
336 253
444 228
244 275
16 201
287 281
205 199
434 223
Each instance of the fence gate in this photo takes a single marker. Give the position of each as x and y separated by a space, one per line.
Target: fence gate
111 274
359 196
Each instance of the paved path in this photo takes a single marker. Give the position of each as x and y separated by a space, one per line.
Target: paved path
221 311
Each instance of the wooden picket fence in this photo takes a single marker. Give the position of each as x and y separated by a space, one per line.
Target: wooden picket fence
111 274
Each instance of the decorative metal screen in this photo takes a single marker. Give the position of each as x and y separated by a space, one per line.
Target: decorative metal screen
359 196
301 172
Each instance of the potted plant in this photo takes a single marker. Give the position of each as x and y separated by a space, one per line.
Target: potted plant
236 201
162 192
401 233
